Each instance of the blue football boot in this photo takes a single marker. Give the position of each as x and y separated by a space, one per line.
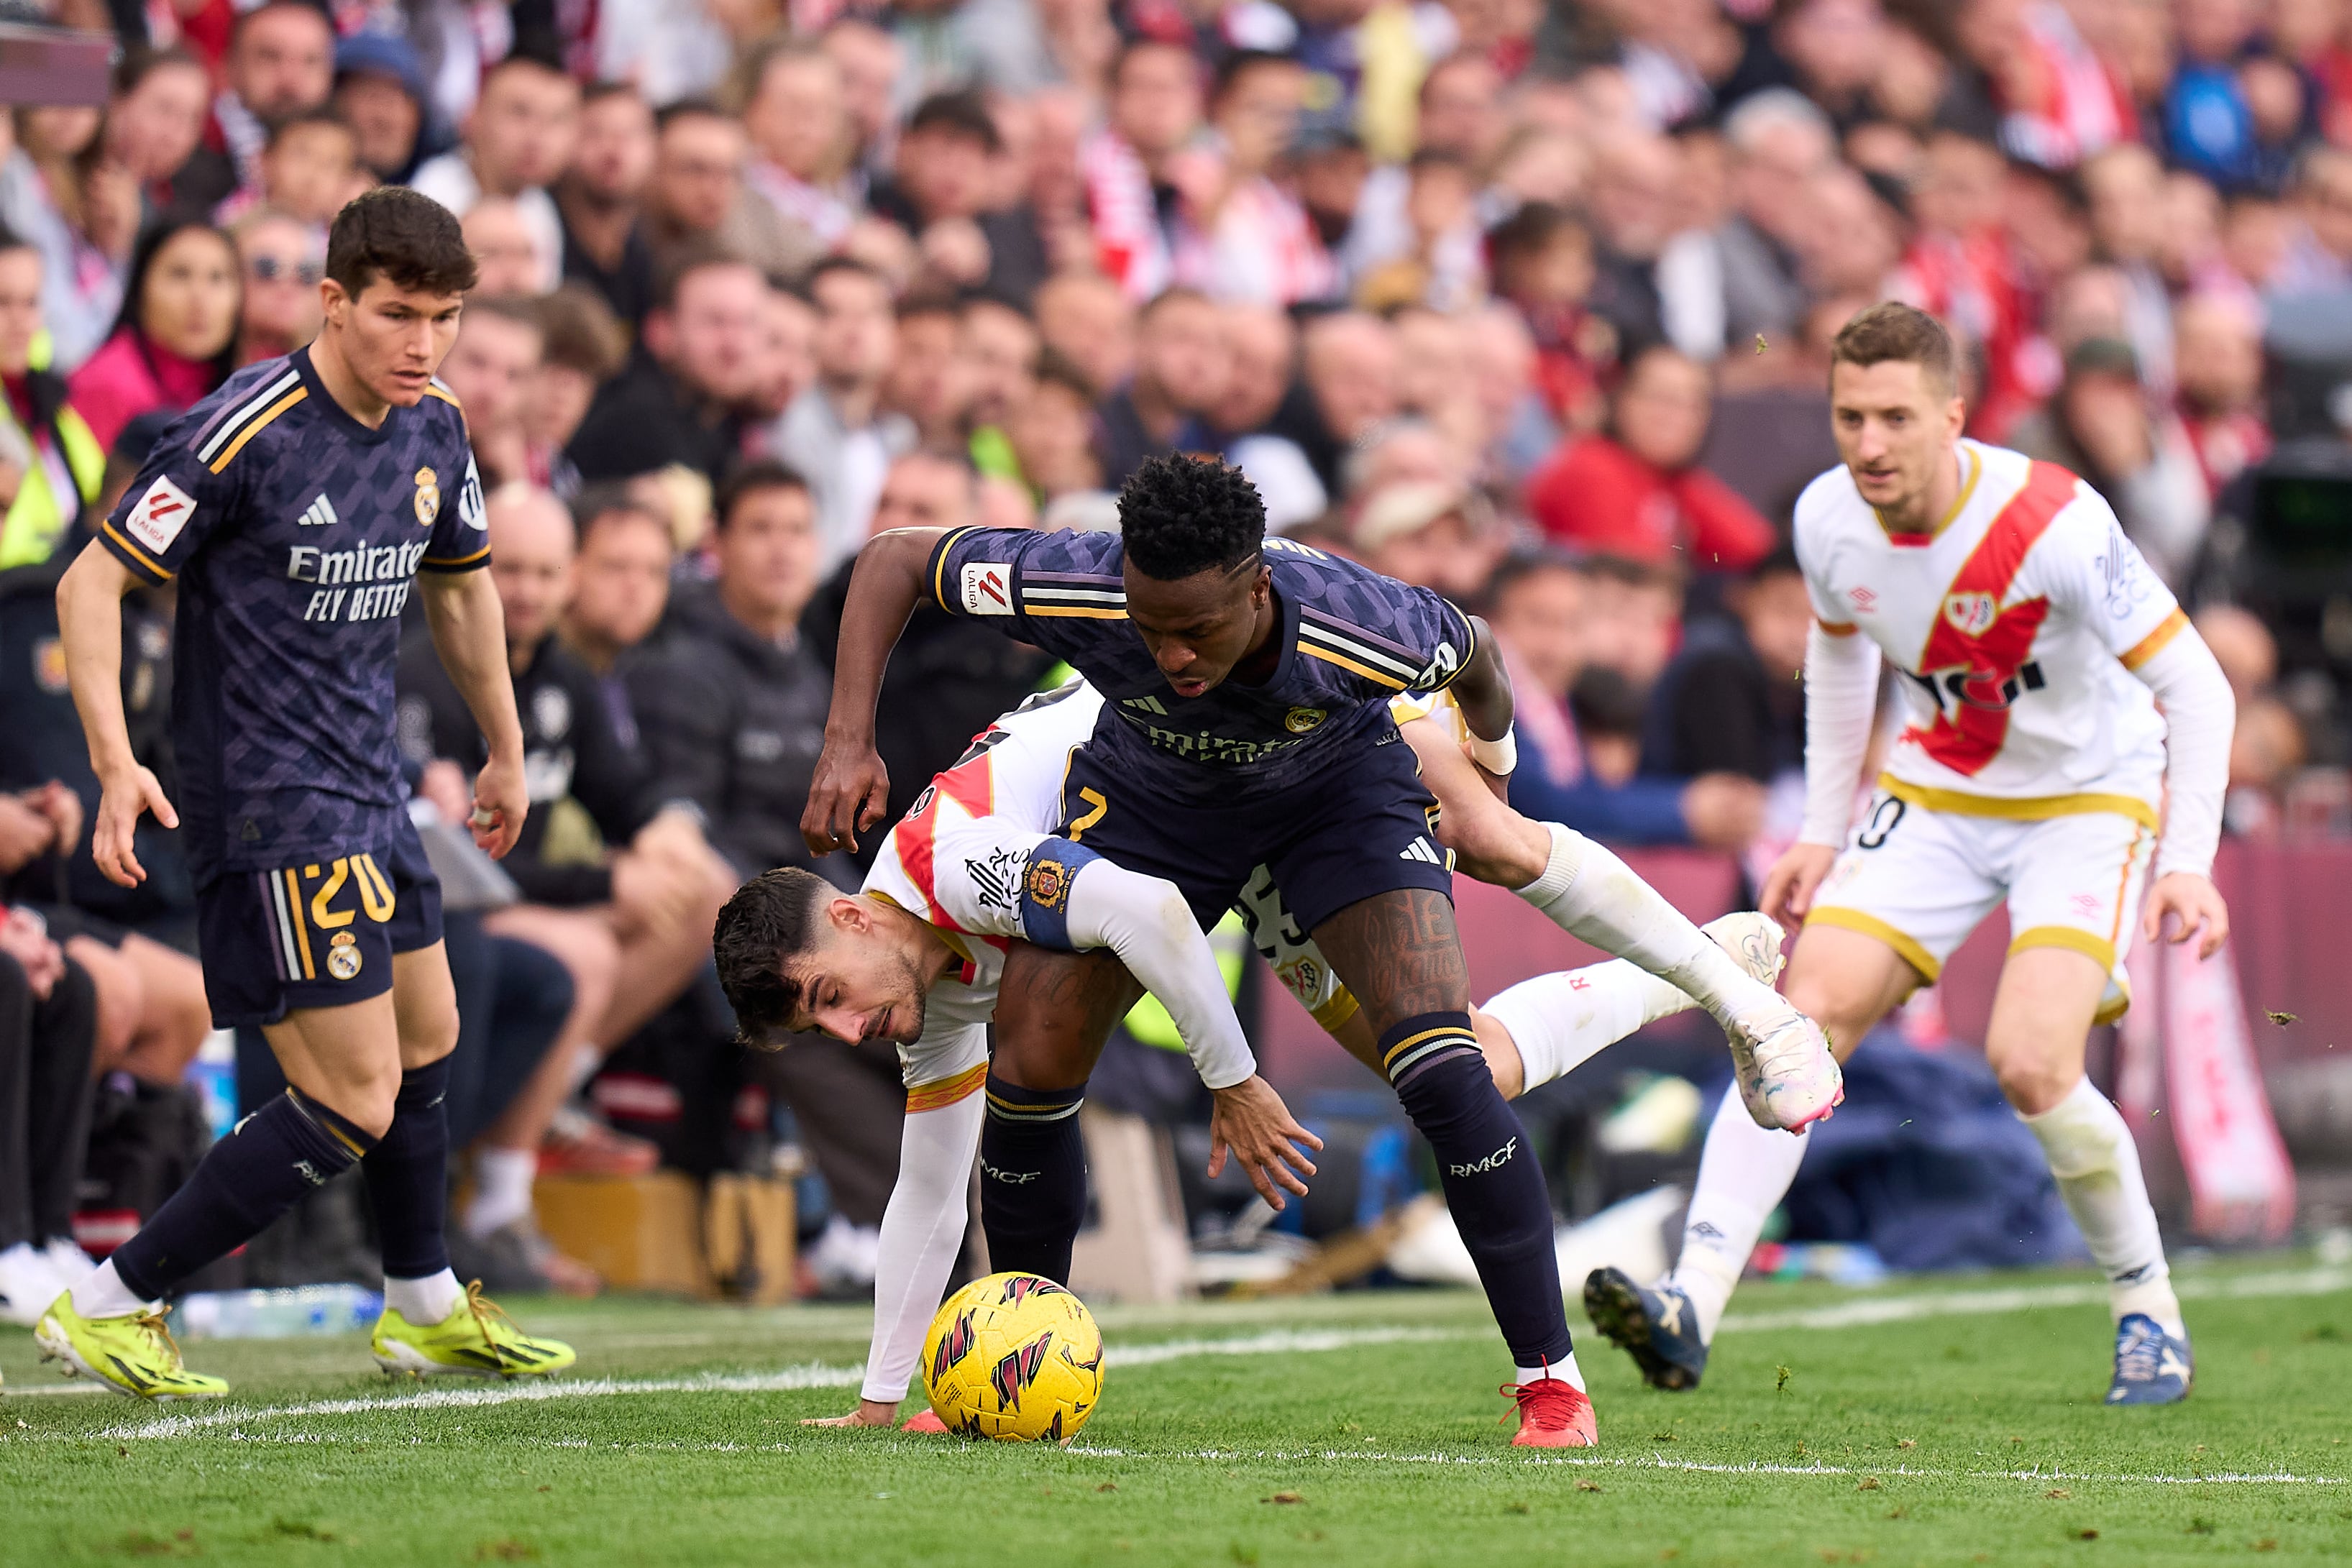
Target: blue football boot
1659 1329
2151 1366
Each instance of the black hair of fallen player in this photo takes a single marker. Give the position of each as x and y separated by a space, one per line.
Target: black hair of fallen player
409 240
772 919
749 479
1180 515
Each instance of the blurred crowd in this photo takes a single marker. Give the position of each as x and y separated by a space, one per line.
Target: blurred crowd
1526 302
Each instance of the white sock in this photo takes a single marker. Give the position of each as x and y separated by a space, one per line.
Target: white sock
2092 1153
1565 1369
1560 1021
585 1060
1743 1174
102 1294
424 1301
502 1179
1595 897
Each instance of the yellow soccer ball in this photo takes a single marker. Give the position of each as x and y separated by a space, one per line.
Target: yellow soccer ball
1015 1357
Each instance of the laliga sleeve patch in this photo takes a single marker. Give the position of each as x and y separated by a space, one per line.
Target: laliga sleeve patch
988 588
160 515
1053 865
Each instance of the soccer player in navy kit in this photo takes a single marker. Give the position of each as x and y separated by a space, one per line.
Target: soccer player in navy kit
1246 723
294 509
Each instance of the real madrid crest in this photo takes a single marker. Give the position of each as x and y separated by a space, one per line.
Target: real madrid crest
428 496
1299 720
343 956
1049 883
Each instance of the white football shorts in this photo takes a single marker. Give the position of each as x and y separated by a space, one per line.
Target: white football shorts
1920 880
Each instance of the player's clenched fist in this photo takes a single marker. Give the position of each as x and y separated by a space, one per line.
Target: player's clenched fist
1795 877
122 798
501 801
848 794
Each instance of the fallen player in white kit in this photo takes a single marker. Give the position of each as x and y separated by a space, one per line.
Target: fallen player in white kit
2035 646
915 958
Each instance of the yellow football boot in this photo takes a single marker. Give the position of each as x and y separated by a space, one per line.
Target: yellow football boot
476 1340
133 1354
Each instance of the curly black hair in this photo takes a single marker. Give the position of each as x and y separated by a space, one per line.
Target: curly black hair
771 919
1180 515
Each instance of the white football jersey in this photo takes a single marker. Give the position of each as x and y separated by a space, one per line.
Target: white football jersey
2015 628
957 861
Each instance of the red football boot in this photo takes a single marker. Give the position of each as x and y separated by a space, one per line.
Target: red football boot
1553 1414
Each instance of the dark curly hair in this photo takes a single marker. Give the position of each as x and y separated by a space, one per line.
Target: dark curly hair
395 232
1180 515
771 920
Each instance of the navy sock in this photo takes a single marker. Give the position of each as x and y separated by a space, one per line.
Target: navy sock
1492 1184
248 1179
1033 1178
408 1174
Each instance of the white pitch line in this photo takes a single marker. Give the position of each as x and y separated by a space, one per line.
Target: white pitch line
813 1374
2026 1298
933 1449
1280 1341
21 1392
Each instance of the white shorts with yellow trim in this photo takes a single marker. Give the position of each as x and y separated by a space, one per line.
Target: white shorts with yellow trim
1920 880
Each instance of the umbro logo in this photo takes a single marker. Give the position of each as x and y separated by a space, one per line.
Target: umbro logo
319 514
1144 704
1420 850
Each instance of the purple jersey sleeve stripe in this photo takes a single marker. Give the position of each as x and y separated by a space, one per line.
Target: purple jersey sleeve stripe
143 565
480 557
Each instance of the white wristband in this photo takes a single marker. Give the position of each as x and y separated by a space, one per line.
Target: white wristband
1497 756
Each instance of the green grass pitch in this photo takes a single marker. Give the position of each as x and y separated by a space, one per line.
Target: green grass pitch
1957 1422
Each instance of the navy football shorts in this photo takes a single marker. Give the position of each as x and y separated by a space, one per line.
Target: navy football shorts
317 935
1359 827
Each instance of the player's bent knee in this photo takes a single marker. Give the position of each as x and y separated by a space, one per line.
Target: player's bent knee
1053 1011
2031 1080
1502 1054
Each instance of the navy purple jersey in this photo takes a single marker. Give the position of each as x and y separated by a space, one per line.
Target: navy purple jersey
294 534
1350 640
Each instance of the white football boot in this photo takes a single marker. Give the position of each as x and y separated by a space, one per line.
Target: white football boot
1780 1058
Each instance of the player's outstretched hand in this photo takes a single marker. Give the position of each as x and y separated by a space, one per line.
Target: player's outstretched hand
1795 877
501 801
869 1412
120 802
2193 901
1250 1122
849 795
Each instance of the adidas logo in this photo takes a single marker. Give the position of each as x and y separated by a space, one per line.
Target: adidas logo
1144 704
1420 850
319 514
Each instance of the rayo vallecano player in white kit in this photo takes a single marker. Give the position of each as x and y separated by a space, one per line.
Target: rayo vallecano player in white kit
2034 647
